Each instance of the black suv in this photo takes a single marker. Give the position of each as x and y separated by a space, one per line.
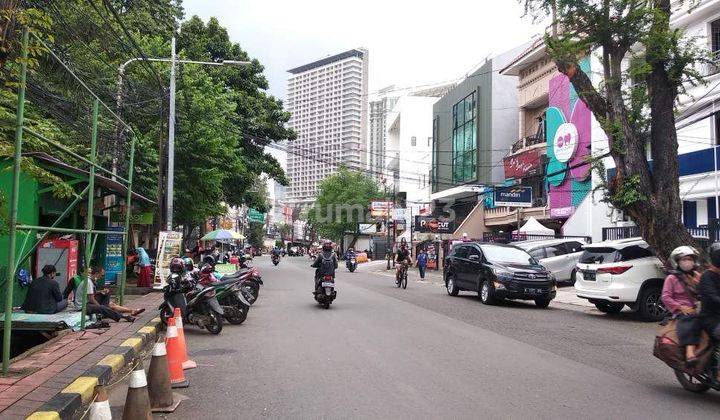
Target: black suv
498 272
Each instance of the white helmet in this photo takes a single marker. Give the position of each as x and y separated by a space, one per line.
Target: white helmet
681 252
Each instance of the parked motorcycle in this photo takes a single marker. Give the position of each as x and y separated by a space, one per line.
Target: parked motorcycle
198 304
232 299
250 282
325 292
351 264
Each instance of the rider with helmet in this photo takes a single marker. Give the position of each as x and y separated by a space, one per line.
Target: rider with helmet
709 291
403 259
680 297
325 264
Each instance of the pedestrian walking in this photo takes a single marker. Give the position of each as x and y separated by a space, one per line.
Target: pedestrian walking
422 262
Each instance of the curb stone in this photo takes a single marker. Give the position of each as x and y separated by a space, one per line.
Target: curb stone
80 392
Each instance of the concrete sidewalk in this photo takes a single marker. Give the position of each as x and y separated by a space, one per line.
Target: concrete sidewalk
565 295
51 379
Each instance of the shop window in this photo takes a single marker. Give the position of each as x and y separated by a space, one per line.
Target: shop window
464 139
413 141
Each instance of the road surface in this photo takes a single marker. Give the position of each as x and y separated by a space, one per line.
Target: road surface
383 352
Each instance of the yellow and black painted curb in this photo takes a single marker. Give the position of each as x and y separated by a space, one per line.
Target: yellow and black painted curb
80 392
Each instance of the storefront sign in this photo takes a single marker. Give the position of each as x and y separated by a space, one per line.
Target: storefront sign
399 214
562 212
145 218
380 208
523 164
114 258
513 196
427 224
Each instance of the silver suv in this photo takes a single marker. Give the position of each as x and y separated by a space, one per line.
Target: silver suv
559 256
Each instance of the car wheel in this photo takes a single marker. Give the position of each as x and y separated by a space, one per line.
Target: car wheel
487 293
650 306
609 307
542 303
450 286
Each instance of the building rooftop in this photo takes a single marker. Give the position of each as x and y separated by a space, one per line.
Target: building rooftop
355 52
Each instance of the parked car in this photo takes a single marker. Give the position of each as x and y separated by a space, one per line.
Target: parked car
559 256
613 274
498 272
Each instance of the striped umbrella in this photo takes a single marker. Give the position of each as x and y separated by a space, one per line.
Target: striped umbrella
222 235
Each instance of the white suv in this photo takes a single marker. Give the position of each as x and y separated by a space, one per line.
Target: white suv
613 274
559 256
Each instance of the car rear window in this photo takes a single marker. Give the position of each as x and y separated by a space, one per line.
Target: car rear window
634 252
599 255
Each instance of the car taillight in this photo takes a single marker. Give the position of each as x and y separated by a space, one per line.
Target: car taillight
614 270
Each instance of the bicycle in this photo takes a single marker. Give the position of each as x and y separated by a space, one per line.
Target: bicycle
402 281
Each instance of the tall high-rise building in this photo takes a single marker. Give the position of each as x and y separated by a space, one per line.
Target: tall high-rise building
328 102
380 104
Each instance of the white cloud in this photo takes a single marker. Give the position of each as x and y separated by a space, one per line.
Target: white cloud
410 42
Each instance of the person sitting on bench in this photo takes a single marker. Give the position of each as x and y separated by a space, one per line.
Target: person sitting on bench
93 306
44 295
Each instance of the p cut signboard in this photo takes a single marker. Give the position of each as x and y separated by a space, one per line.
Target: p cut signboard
438 225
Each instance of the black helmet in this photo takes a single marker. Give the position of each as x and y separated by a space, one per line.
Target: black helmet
177 266
209 259
714 254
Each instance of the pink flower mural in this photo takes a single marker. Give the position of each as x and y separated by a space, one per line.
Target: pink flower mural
568 146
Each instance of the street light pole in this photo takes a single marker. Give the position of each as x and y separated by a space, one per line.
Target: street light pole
171 141
171 117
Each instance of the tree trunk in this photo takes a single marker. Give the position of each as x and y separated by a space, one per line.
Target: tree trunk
658 208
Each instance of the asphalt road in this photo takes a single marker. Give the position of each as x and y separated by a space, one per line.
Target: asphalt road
383 352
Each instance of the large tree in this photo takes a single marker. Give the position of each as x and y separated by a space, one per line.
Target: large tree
634 104
342 202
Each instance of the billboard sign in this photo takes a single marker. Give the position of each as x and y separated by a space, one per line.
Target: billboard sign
380 208
428 224
513 196
524 164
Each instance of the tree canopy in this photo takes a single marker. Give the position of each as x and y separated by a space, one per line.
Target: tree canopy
635 103
224 114
342 202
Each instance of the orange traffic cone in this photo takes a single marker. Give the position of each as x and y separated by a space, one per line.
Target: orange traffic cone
137 402
100 408
174 357
162 399
186 362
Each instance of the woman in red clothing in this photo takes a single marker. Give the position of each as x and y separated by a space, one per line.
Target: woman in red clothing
680 297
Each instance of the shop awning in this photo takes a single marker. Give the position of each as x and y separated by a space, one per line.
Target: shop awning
100 180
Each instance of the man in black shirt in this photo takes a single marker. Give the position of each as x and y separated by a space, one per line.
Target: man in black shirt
709 292
44 295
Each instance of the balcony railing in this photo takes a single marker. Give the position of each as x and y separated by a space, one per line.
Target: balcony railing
701 234
712 65
527 142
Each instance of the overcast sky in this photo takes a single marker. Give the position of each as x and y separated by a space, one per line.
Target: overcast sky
410 42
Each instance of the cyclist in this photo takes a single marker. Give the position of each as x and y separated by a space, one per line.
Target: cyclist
403 259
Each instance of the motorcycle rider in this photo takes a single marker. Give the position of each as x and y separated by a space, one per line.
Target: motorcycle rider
403 259
679 295
709 291
325 264
349 254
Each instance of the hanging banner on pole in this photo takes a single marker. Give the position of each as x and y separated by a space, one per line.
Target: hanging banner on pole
169 246
114 258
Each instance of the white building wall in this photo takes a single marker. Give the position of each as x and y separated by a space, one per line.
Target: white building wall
328 103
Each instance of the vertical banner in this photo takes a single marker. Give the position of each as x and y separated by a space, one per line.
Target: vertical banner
114 259
169 246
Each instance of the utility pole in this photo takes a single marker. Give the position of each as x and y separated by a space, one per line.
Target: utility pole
171 140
